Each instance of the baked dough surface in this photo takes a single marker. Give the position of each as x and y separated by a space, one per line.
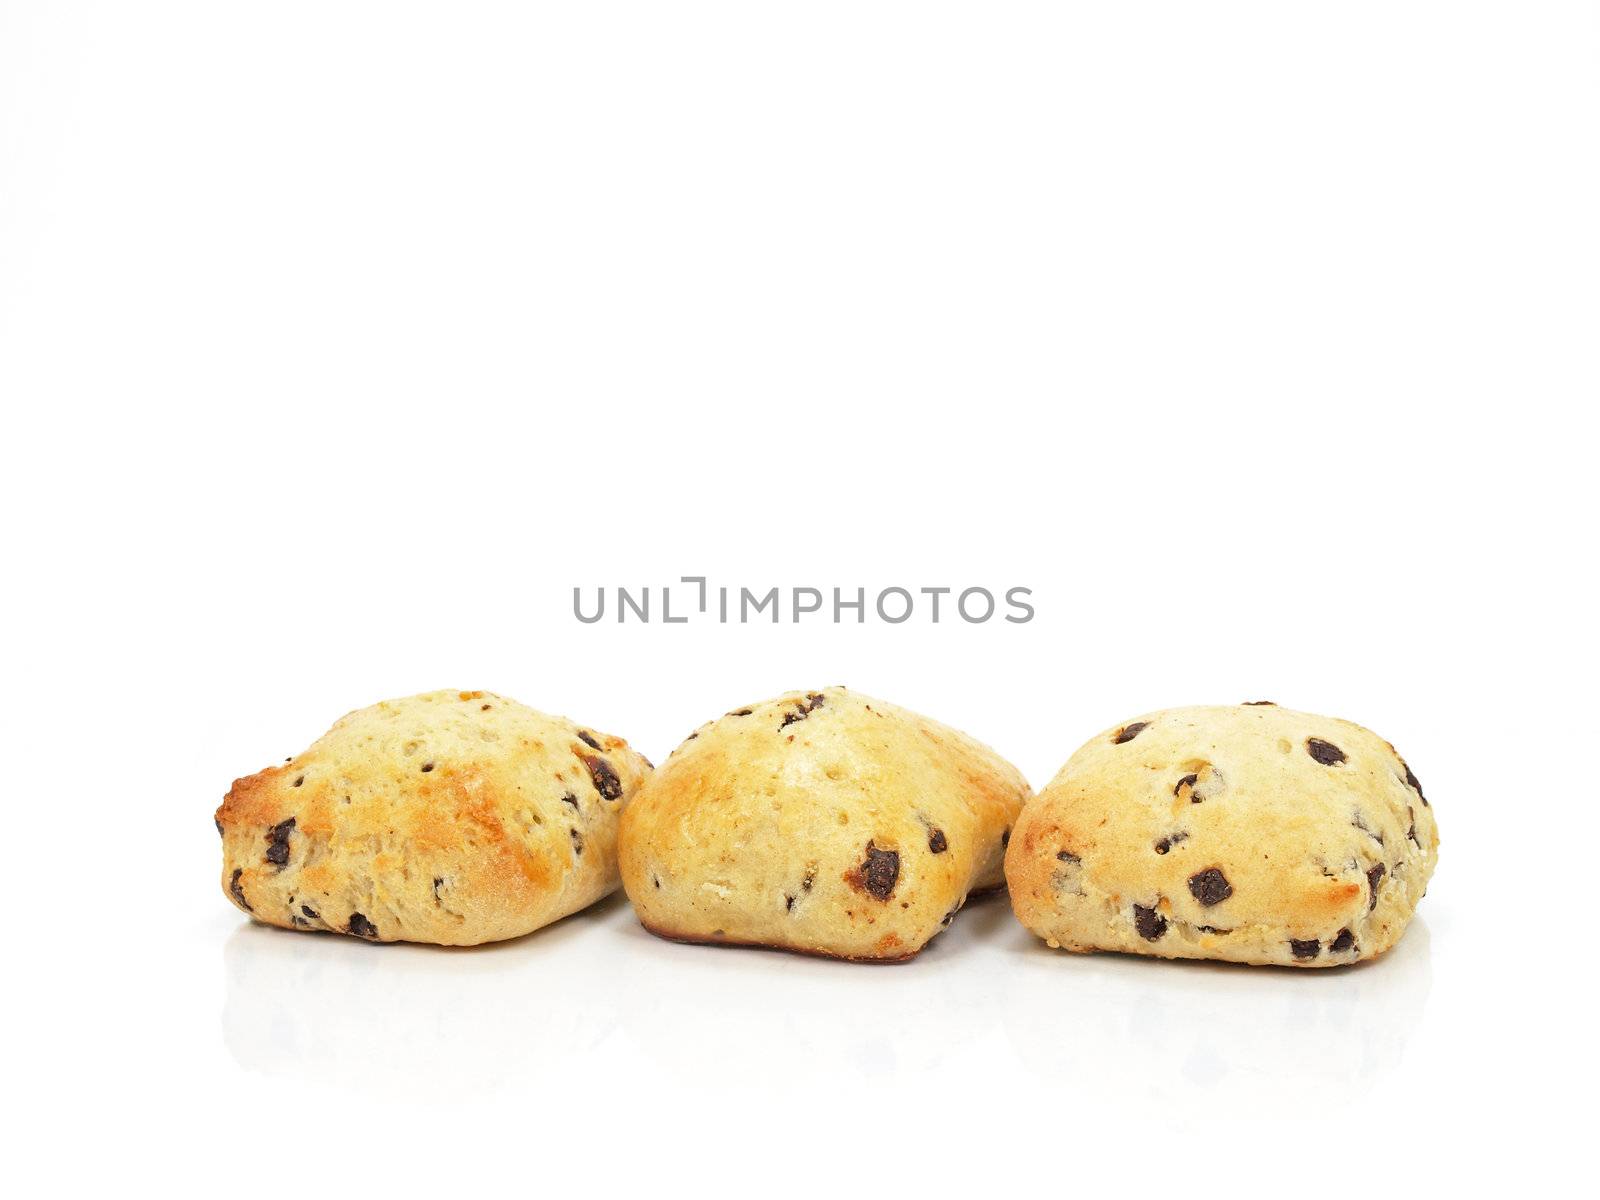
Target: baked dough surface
449 817
1250 833
822 822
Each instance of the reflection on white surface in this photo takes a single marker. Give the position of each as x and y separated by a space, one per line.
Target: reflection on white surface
1261 1041
320 1007
984 1002
718 1015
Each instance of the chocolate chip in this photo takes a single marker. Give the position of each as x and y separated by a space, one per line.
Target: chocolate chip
310 912
1411 781
1309 948
438 882
1171 840
1325 753
741 712
1150 924
605 779
218 822
362 927
1067 856
238 892
299 781
1343 942
1254 703
881 871
1128 732
587 739
1210 886
1187 781
936 842
278 842
1373 876
577 841
426 767
803 709
569 798
877 874
1412 832
788 904
1005 839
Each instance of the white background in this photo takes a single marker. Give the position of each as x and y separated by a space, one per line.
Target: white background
340 341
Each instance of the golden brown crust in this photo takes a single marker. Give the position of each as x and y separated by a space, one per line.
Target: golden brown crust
1249 833
823 822
451 817
692 940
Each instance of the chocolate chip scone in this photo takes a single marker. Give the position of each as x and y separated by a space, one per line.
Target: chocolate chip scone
450 817
823 822
1250 833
